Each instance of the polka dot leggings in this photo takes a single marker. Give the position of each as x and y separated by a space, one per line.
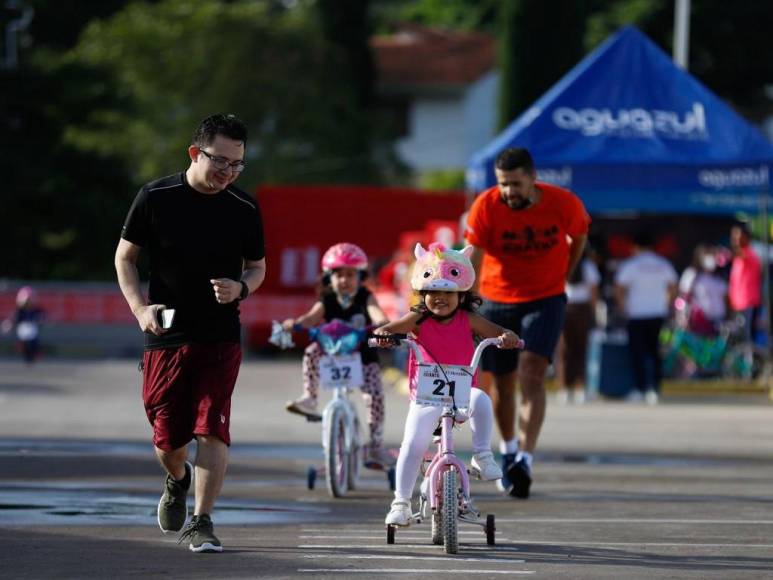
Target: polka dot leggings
372 390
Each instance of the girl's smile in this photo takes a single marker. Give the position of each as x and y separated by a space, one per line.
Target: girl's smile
441 303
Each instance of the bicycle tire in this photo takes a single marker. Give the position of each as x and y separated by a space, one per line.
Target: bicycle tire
450 509
437 528
355 456
736 363
336 457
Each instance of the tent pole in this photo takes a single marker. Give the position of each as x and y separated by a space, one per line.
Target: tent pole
682 33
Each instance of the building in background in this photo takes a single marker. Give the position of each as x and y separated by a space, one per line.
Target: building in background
441 87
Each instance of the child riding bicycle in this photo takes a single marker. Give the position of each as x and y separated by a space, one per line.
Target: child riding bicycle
443 325
343 297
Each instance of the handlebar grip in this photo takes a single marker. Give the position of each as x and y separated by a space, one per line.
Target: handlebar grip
521 344
393 338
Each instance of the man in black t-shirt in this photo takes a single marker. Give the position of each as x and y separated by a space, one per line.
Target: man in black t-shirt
204 238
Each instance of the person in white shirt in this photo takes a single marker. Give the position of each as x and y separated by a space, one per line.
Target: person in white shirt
645 286
582 293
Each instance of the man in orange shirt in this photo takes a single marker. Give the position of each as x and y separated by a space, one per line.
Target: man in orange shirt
528 237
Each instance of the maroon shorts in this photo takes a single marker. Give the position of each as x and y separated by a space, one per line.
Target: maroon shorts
187 391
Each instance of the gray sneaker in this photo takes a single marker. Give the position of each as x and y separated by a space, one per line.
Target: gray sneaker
173 506
201 535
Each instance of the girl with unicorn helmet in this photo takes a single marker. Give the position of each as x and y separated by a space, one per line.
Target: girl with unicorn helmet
443 324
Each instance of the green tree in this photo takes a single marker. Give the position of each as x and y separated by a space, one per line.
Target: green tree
273 66
539 42
60 205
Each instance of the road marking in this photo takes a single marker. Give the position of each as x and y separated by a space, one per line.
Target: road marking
631 521
659 544
421 558
408 571
377 536
384 545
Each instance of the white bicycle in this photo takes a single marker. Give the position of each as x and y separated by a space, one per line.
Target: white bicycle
340 373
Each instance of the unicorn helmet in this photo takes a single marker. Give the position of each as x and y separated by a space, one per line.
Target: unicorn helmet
440 268
344 255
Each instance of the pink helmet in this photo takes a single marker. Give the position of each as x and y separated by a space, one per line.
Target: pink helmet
344 255
24 295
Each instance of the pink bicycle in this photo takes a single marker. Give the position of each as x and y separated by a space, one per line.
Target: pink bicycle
445 489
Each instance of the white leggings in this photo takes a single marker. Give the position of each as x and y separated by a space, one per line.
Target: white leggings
419 426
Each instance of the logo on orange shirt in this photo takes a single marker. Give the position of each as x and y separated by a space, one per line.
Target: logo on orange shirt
530 240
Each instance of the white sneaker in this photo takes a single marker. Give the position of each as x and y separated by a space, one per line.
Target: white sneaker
399 513
484 463
303 406
634 396
579 397
379 458
562 396
651 397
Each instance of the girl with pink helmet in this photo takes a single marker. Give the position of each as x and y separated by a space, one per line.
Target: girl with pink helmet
443 324
26 319
344 297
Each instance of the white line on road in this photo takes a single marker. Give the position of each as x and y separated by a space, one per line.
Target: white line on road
407 571
660 544
632 521
426 546
421 558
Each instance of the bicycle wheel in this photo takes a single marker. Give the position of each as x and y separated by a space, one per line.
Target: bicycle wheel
355 456
490 530
745 361
336 457
450 510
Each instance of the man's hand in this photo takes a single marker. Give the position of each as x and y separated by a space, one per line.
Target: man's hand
226 290
147 317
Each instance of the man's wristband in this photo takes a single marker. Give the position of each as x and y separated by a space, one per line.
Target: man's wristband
245 290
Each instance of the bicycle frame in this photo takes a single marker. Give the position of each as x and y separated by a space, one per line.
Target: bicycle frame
445 458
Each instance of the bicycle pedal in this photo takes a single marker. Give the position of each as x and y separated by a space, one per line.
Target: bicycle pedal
472 472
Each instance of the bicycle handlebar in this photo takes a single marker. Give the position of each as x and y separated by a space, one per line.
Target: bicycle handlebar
402 339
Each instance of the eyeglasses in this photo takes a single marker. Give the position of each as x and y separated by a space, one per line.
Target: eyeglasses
222 163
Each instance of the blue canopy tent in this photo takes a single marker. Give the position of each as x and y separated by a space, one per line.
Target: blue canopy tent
627 130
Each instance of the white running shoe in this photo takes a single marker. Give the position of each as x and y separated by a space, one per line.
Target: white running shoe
379 458
651 397
399 513
304 406
484 463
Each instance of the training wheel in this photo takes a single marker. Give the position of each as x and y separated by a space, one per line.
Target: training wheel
390 534
490 530
311 477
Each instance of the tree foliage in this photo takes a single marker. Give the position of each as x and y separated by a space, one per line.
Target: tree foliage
178 61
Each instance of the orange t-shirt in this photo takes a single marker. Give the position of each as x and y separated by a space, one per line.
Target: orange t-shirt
526 251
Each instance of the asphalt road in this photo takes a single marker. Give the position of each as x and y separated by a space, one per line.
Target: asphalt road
681 490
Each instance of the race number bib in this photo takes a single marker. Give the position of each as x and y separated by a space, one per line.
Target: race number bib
27 331
343 370
438 388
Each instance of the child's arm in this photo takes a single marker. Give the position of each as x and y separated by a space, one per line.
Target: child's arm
487 329
313 317
374 311
402 325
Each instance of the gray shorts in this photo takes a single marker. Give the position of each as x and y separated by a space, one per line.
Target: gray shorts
538 323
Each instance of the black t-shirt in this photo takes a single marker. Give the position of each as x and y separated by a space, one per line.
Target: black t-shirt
359 305
191 238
